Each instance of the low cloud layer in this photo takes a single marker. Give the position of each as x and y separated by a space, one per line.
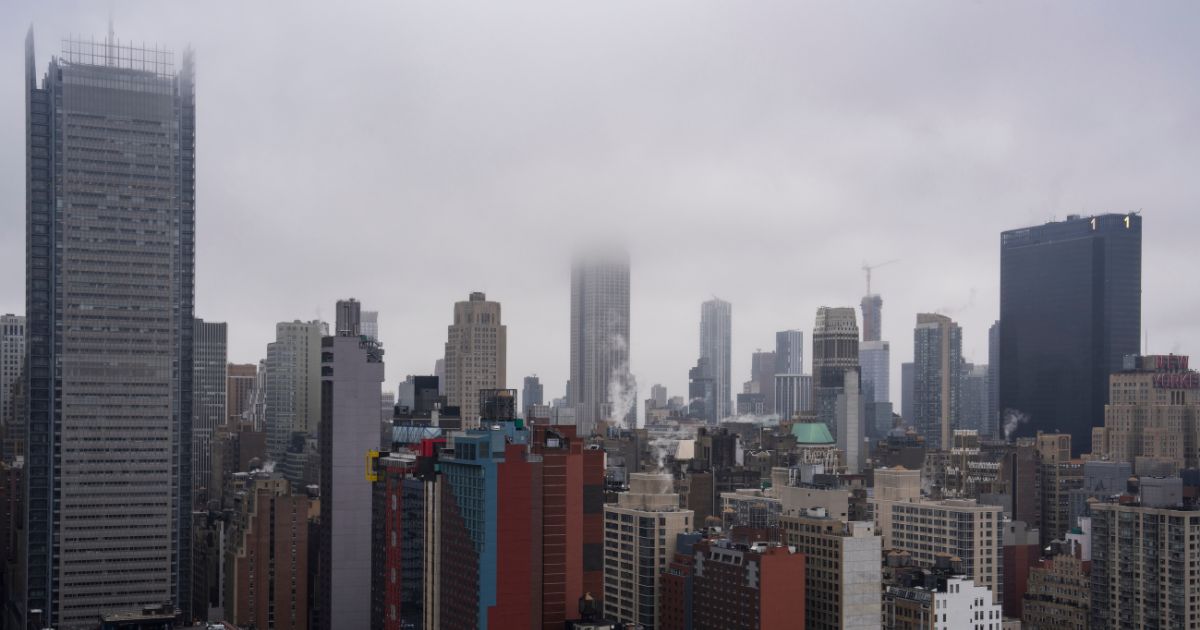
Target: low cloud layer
409 153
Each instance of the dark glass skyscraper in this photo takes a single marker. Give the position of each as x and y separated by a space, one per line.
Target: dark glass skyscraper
110 219
1070 309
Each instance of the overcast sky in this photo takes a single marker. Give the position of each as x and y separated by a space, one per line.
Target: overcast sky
408 153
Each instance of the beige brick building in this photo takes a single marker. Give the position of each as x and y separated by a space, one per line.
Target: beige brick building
476 355
1153 414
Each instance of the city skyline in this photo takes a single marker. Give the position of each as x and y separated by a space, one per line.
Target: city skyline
991 146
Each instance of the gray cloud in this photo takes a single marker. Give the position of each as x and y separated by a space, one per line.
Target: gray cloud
408 153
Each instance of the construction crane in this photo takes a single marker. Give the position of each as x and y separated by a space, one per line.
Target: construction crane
867 268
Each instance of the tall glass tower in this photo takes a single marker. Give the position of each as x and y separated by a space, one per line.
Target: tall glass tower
601 386
110 223
1070 310
716 337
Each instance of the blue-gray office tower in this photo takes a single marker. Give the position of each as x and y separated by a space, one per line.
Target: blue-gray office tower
1070 309
110 225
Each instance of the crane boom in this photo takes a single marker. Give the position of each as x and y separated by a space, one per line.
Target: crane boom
867 268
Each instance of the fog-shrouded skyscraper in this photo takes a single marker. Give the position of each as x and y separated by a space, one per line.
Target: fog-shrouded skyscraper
1070 310
209 380
110 287
600 341
834 350
476 355
789 352
531 393
872 314
762 378
352 375
937 365
12 362
716 341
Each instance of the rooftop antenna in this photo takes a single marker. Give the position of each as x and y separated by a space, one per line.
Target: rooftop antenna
867 268
108 47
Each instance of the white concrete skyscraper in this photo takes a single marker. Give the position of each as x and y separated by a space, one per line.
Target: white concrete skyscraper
601 386
111 239
476 355
716 340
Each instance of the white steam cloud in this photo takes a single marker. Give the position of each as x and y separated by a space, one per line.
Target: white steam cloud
1013 418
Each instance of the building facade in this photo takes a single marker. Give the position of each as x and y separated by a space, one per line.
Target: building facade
842 574
835 350
1144 567
716 345
12 367
600 340
639 538
793 395
937 362
875 357
239 390
872 318
531 394
352 375
266 564
789 352
476 355
1070 310
736 586
292 384
109 330
1153 415
209 380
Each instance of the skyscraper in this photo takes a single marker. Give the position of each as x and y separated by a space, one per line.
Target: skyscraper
600 342
907 395
973 398
531 394
208 400
872 313
370 324
937 365
12 361
239 389
716 337
352 373
875 357
762 378
835 350
293 384
110 144
1070 310
789 352
992 426
476 355
851 423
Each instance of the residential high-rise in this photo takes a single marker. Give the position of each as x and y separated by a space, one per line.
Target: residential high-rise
476 355
1058 595
835 350
762 378
352 374
639 538
208 400
937 363
600 342
793 395
736 586
239 390
12 362
109 330
851 423
872 313
292 400
973 398
907 393
1153 417
531 394
702 392
266 563
369 326
875 357
789 352
842 570
1144 566
925 528
1070 310
716 337
991 427
489 531
572 512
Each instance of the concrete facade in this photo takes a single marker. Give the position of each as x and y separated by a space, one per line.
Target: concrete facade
476 355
